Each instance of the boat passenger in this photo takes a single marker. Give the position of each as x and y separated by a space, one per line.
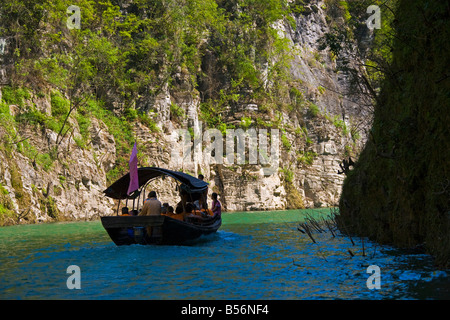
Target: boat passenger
216 205
125 211
170 210
152 205
164 207
189 208
190 211
179 210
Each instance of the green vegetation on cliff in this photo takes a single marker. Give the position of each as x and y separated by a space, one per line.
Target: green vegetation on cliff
231 59
399 190
123 55
58 84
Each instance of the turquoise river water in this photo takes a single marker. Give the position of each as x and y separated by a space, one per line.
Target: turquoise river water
254 255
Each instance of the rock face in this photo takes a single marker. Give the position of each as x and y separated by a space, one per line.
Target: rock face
70 189
398 192
311 147
312 160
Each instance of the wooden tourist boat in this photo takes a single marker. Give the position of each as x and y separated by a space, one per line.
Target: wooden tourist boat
165 228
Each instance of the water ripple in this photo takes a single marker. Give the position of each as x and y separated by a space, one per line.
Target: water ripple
244 260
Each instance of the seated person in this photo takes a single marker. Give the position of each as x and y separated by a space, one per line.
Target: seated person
170 210
197 205
192 214
189 208
164 207
152 205
179 210
125 211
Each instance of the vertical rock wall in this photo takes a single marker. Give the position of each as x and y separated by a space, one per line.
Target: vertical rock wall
307 173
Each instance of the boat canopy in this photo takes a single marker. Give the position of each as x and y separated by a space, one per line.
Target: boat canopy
190 184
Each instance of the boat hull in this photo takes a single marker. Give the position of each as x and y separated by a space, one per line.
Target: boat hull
127 230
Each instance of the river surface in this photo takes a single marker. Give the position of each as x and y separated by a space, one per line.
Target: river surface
254 255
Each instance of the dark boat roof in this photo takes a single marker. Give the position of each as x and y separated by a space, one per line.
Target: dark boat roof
118 190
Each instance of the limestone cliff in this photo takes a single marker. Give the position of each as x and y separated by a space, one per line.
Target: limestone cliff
319 130
318 136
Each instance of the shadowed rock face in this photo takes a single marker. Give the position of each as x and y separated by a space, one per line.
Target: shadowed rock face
398 192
